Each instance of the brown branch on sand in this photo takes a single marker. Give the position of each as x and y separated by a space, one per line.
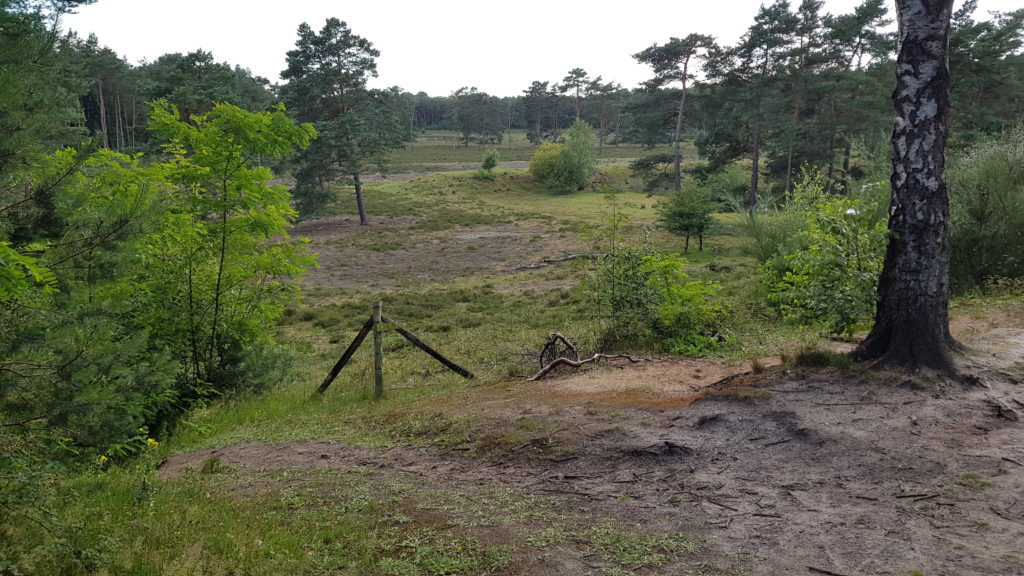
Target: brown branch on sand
563 361
551 351
547 261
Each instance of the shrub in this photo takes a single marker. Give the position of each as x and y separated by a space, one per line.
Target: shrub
568 166
487 166
832 277
544 162
986 189
490 161
647 301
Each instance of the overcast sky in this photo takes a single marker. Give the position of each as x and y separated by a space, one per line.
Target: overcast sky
434 46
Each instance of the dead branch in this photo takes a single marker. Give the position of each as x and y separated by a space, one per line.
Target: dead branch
548 261
550 349
563 361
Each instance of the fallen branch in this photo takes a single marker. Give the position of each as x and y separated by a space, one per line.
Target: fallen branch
563 361
823 571
548 261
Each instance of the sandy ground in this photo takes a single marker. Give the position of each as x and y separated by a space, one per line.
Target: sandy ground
783 472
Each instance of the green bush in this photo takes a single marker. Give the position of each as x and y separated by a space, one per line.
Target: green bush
986 189
647 302
544 162
490 161
730 187
832 277
771 233
570 165
487 166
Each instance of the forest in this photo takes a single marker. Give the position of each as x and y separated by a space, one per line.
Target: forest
186 249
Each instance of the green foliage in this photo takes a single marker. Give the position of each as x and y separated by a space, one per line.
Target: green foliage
544 162
217 264
986 189
730 187
654 170
487 166
771 232
645 299
20 272
567 166
39 110
356 127
688 213
832 277
490 161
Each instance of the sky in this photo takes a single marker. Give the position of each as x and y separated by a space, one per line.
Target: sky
434 46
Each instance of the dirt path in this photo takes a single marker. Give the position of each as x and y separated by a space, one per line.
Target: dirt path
780 471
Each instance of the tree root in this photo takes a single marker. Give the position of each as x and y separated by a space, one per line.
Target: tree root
563 361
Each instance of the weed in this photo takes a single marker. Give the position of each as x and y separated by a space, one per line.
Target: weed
632 550
211 466
974 481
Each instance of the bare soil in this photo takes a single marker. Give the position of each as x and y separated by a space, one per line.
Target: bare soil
780 472
470 252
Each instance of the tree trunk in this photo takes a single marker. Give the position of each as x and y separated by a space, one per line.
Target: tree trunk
359 200
103 114
756 160
844 184
912 318
678 155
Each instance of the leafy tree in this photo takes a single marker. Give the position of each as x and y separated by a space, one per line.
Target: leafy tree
832 277
357 127
912 318
671 63
688 213
218 258
645 299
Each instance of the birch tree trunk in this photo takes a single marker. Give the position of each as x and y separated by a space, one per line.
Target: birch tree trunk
912 317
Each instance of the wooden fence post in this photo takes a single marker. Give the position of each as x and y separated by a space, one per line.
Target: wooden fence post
378 352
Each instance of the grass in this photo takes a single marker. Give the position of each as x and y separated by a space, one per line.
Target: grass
439 149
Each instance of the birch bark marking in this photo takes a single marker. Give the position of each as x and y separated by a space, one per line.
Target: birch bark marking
912 317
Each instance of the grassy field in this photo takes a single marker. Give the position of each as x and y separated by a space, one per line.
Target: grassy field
438 149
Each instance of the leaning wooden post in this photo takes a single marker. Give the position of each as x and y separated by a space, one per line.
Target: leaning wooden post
378 352
349 352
